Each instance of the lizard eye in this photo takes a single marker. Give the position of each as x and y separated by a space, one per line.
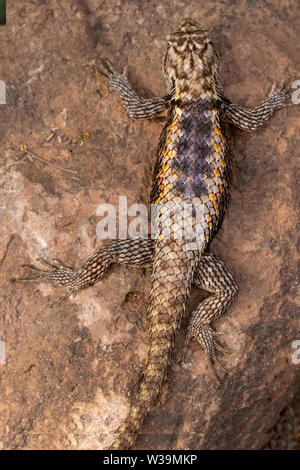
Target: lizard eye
198 39
179 41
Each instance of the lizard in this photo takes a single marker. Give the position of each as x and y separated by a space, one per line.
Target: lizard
193 167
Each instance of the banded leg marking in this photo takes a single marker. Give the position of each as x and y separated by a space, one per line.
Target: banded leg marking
249 119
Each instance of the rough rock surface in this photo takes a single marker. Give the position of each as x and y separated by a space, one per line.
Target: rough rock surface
70 371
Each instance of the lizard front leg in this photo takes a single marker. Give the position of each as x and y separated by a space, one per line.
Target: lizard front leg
249 119
212 275
136 107
130 251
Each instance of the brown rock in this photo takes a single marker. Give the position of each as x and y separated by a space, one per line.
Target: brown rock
70 370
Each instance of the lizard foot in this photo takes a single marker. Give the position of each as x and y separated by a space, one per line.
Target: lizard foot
58 274
206 337
106 73
279 94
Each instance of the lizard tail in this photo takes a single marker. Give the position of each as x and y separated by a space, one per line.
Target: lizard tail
149 390
171 283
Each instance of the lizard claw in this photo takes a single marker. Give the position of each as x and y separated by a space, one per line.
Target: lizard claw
108 66
58 274
105 68
66 294
42 273
112 78
57 264
125 70
213 373
279 92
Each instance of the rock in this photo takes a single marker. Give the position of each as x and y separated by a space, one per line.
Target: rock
70 371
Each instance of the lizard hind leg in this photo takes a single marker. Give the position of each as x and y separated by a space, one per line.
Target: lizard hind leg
130 251
212 275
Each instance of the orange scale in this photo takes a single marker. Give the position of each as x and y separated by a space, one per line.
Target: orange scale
216 206
172 124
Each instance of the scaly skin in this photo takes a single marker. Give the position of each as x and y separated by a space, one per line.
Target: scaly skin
192 173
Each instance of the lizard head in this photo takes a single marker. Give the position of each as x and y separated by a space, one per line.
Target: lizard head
191 62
